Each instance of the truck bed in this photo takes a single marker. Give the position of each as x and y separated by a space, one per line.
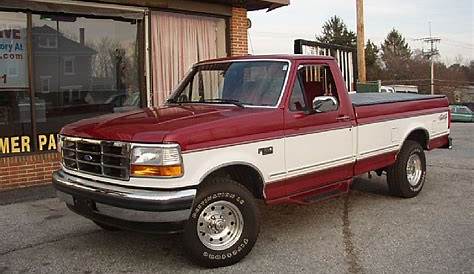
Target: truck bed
368 99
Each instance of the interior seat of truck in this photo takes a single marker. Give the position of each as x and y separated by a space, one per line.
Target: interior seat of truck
313 90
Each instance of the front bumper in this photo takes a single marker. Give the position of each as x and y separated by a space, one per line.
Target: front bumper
131 208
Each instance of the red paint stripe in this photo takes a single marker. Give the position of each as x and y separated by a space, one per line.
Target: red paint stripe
381 112
218 145
391 117
323 193
243 140
376 162
439 142
285 190
315 130
300 184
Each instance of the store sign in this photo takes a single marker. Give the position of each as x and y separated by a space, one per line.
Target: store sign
13 53
24 144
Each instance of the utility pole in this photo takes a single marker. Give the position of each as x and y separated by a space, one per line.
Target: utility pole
432 43
361 42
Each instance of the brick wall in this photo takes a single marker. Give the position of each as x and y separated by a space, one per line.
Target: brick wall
238 32
28 170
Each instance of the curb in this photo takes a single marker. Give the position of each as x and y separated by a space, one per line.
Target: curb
27 194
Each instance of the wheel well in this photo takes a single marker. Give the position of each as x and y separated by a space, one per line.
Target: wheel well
245 175
421 136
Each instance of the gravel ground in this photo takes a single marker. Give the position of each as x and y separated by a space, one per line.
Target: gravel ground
367 231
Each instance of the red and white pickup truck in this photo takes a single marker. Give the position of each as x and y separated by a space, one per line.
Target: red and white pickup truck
282 129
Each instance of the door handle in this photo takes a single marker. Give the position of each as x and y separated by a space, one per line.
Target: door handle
343 118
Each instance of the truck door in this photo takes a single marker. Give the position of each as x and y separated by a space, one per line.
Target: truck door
319 133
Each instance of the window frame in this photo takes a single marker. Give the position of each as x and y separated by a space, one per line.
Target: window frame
322 65
42 78
71 59
47 40
182 85
305 98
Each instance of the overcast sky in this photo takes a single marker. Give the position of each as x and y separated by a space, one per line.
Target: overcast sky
452 21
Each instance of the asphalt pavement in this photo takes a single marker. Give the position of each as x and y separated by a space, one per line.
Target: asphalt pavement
367 231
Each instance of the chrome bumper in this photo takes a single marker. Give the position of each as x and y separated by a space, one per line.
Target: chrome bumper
92 198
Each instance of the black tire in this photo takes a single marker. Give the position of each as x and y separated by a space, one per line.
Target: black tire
106 227
221 191
397 175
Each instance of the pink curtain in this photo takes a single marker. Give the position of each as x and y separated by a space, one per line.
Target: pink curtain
178 41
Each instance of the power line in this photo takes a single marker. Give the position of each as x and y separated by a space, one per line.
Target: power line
436 80
433 43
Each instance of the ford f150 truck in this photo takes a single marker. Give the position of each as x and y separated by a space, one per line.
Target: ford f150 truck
282 129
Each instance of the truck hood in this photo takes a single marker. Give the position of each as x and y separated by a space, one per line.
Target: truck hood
181 124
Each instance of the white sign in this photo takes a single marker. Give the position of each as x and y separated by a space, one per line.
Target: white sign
13 51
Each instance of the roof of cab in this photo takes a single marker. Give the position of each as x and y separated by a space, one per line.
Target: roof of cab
289 57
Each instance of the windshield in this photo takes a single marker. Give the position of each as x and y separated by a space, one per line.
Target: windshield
253 83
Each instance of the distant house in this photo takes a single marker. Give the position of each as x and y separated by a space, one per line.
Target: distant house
64 65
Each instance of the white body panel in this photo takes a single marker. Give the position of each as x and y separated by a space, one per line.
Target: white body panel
317 151
383 137
303 154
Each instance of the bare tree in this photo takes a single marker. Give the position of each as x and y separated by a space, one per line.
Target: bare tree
103 62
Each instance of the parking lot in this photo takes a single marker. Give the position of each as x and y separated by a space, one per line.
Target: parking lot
367 231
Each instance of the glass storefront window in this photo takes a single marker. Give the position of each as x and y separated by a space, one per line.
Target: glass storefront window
84 67
15 109
81 67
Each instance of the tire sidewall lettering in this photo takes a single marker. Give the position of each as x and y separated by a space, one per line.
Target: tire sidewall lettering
227 254
222 189
231 197
241 244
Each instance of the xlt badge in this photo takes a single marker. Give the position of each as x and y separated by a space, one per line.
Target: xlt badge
265 150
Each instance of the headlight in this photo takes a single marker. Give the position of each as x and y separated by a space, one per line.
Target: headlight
160 161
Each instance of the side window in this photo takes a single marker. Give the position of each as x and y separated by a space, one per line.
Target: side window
297 99
318 81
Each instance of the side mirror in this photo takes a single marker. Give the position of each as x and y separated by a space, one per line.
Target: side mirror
325 104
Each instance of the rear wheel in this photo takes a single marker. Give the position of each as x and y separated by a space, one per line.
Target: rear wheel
223 226
406 177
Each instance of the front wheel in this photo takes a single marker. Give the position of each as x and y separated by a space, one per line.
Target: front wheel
407 176
223 226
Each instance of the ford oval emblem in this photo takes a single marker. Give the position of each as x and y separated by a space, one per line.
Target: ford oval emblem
88 158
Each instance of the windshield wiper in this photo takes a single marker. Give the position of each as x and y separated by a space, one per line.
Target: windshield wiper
224 101
208 101
173 101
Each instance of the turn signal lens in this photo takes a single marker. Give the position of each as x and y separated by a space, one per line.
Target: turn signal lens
156 171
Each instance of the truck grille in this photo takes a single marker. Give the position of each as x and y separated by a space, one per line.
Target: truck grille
103 158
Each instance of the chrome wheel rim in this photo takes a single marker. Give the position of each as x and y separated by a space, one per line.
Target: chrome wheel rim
414 170
220 225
